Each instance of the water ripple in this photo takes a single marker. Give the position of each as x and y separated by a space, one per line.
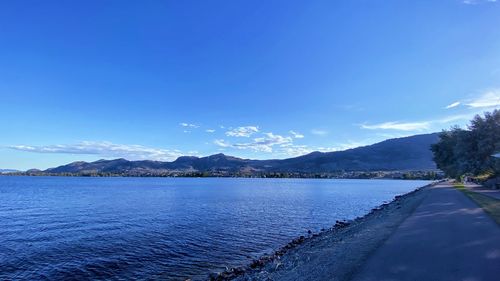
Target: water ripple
162 228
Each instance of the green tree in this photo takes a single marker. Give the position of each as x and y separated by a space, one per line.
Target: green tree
460 151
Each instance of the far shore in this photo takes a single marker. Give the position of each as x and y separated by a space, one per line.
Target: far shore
399 175
335 252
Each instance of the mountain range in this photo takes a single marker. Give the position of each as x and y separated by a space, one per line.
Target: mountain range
6 171
400 154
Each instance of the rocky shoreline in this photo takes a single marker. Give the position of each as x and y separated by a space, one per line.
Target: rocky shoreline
334 253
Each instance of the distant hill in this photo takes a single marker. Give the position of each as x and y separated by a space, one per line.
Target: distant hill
6 171
401 154
408 153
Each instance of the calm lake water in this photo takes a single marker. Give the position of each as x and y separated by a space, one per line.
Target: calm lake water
55 228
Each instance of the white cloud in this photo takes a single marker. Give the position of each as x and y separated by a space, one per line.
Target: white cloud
245 131
474 2
341 146
187 125
454 118
455 104
298 150
254 146
221 143
410 126
297 135
319 132
283 146
105 149
418 126
262 144
210 130
295 150
272 139
490 98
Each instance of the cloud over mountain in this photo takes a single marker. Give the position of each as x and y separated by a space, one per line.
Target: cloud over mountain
105 149
245 131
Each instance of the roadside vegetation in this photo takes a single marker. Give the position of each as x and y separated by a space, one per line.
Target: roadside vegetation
469 153
489 204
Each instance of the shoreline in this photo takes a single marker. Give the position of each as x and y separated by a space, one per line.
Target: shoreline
333 253
220 177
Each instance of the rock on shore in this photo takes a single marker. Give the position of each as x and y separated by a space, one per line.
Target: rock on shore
332 254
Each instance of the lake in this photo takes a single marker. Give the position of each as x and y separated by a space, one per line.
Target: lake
165 228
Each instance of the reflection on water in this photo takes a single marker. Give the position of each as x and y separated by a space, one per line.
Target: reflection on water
165 228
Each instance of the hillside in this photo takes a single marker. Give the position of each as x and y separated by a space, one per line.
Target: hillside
409 153
401 154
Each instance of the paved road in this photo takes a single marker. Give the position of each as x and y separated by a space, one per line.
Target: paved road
448 237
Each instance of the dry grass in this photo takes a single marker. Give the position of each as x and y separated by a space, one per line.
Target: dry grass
485 176
489 204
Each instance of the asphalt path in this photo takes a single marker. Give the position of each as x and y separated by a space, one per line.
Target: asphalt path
448 237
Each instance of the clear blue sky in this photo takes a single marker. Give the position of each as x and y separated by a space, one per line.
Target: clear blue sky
85 80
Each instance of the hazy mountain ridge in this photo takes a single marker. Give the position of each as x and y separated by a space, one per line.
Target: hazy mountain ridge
401 154
5 171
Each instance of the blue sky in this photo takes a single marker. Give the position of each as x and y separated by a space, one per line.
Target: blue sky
85 80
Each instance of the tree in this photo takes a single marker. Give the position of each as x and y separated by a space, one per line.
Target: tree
444 151
460 151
